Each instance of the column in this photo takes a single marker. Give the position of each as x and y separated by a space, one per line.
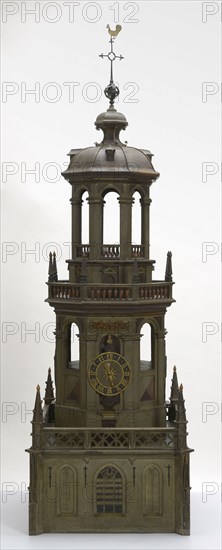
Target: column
145 215
125 227
95 226
76 225
58 367
161 376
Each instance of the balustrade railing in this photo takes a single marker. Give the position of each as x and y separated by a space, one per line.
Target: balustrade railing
83 251
109 438
137 251
64 291
105 292
110 293
154 292
108 251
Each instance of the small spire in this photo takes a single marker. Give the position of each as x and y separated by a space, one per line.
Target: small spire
181 405
49 392
37 411
181 420
169 272
54 265
50 272
53 276
174 386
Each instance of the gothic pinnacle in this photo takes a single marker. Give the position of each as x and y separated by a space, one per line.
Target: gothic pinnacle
54 265
50 272
174 386
53 276
37 411
49 393
181 407
181 420
169 272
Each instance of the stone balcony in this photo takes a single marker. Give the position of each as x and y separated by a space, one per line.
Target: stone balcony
64 291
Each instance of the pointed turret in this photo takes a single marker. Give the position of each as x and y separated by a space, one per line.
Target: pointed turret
37 421
53 275
181 406
37 411
174 387
173 396
54 267
169 272
50 272
181 420
49 392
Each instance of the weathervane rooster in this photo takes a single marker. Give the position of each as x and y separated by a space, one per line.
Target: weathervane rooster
113 34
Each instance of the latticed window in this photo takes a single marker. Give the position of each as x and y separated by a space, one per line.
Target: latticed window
109 491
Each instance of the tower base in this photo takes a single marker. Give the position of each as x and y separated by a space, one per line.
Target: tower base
109 481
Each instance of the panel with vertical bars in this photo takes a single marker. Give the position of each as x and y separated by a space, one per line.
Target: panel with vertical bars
109 492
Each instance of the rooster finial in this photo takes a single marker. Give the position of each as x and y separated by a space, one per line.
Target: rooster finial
114 34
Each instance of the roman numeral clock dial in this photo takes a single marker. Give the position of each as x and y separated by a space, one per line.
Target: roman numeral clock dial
109 373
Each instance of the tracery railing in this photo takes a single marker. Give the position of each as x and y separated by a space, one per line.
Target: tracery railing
109 438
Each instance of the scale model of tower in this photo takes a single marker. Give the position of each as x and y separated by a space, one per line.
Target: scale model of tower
109 453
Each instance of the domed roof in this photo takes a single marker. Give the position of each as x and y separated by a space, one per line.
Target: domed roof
111 116
111 155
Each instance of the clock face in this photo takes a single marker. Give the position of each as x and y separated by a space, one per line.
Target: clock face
109 373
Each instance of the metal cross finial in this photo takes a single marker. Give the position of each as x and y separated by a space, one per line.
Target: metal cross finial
112 91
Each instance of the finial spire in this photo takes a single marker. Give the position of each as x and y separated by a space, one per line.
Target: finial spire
173 396
54 265
37 411
181 406
50 266
53 275
169 272
49 393
174 387
181 420
112 91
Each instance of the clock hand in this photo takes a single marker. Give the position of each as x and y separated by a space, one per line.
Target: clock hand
109 373
110 379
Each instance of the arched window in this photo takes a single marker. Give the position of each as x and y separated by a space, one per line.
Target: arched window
109 491
111 224
136 220
146 347
85 218
74 347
